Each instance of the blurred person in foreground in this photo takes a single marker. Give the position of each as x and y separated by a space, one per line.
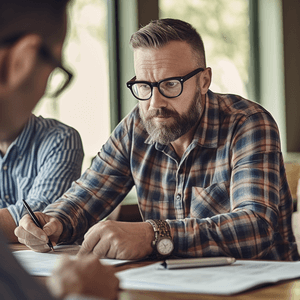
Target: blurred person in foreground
32 33
207 168
39 158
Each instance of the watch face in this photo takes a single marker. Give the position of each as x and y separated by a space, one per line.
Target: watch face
164 246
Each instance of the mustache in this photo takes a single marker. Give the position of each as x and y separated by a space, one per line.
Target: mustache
160 112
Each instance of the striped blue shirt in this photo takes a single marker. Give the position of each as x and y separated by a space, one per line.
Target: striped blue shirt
39 165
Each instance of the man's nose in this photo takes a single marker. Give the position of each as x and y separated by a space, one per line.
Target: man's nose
157 100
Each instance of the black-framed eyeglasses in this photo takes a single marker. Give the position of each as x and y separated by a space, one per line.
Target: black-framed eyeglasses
170 87
59 78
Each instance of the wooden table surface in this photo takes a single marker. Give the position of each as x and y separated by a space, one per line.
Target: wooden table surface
287 290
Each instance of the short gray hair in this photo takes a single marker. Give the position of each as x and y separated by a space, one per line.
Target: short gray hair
160 32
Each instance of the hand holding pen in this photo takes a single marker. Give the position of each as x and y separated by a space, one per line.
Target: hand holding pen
36 221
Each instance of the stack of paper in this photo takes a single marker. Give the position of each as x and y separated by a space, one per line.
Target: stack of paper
42 264
221 280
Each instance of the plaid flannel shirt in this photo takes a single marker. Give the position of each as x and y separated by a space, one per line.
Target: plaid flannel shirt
226 196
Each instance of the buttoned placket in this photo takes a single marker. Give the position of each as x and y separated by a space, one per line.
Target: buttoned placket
180 179
6 177
178 197
4 194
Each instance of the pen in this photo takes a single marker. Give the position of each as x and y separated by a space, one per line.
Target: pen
197 262
36 221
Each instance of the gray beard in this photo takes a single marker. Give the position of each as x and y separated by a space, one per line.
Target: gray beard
165 134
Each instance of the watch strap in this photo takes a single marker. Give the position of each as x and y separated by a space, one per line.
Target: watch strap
161 230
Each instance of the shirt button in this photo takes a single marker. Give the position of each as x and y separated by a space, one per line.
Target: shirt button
178 197
5 167
6 197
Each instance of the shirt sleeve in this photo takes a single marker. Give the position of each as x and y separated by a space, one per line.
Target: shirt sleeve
252 196
59 164
98 191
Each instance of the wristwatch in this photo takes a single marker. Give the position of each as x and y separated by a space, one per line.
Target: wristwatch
163 243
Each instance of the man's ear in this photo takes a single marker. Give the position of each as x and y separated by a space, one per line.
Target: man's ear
205 80
21 59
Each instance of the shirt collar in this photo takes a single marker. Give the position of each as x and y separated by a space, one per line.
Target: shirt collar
207 132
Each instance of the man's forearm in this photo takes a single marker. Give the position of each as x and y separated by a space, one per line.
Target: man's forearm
239 234
8 225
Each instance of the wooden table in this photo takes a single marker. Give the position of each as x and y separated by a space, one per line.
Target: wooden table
287 290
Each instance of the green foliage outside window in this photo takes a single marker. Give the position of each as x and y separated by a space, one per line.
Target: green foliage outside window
224 27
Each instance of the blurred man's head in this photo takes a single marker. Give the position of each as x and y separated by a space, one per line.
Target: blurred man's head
42 17
32 33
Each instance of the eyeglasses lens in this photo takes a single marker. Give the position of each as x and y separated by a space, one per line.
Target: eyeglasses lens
56 81
142 90
168 88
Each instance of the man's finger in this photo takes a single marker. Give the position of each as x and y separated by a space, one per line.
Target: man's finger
85 249
52 227
30 231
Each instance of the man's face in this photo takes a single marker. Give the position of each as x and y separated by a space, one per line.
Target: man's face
167 132
44 68
19 101
167 119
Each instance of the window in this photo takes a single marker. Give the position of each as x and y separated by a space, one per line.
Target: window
85 104
223 26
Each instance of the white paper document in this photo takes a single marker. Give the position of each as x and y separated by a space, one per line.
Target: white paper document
219 280
42 264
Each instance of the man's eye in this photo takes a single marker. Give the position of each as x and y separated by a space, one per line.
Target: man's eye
144 87
170 84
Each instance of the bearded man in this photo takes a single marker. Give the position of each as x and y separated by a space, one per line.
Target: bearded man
207 168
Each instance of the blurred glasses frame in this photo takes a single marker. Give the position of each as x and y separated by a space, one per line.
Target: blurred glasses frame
47 56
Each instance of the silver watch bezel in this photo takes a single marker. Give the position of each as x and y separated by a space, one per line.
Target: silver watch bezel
161 239
158 237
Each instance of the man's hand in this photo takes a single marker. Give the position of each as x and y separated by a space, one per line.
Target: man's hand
120 240
36 238
85 276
